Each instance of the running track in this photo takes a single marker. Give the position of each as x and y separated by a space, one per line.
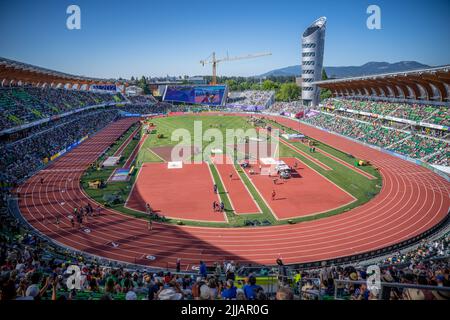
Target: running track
240 197
190 188
411 201
126 142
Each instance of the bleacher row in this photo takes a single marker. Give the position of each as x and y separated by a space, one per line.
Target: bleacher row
432 150
286 107
32 268
251 98
148 99
20 105
439 115
388 125
24 152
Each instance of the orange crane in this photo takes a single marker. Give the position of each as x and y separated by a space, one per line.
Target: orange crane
212 60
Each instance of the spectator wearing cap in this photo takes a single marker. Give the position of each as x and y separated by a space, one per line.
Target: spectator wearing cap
131 295
170 294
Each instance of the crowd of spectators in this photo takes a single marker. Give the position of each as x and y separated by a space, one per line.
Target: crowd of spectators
20 158
142 99
441 159
374 132
26 151
439 115
259 98
20 105
427 265
426 250
33 269
419 146
291 107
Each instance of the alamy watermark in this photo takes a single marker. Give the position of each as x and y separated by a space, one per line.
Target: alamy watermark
74 280
374 279
238 144
373 22
73 21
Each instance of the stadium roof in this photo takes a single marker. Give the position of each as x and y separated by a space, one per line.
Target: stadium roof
431 84
11 70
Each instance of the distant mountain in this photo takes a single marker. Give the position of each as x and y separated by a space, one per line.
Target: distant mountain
373 68
352 71
283 72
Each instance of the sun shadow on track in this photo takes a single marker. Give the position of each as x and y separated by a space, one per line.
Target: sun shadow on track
133 241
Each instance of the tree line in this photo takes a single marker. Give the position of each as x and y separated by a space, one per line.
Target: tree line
284 86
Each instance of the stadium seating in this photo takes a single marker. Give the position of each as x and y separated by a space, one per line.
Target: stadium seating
413 145
415 112
419 146
423 142
29 265
22 105
25 154
286 107
251 98
148 99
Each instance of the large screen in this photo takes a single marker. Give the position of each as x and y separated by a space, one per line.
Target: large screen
208 95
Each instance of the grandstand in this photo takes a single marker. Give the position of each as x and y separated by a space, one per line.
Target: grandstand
292 107
41 124
251 99
54 136
424 85
24 105
407 113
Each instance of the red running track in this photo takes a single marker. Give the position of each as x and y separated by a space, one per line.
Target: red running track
186 193
240 197
411 201
126 142
135 151
306 193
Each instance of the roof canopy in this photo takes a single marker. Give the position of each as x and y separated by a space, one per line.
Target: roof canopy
426 84
15 71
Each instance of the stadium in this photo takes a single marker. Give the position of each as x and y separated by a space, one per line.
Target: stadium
203 192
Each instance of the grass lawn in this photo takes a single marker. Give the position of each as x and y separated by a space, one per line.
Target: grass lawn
360 187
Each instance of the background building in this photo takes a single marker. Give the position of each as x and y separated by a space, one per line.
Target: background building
313 42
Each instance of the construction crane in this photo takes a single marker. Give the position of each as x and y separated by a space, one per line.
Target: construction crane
212 60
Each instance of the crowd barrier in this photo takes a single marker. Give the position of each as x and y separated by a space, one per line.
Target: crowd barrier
66 149
382 292
56 117
337 261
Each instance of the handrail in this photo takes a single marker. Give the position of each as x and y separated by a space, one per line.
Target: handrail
390 284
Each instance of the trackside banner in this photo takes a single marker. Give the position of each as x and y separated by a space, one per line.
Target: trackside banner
63 151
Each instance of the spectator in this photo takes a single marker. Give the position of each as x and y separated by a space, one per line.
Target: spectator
251 288
202 270
229 293
284 293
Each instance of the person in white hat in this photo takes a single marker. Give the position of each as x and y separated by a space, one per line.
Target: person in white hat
131 295
169 294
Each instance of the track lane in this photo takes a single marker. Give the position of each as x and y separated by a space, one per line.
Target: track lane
411 201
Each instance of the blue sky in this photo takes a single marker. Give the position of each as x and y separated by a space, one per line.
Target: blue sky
155 38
